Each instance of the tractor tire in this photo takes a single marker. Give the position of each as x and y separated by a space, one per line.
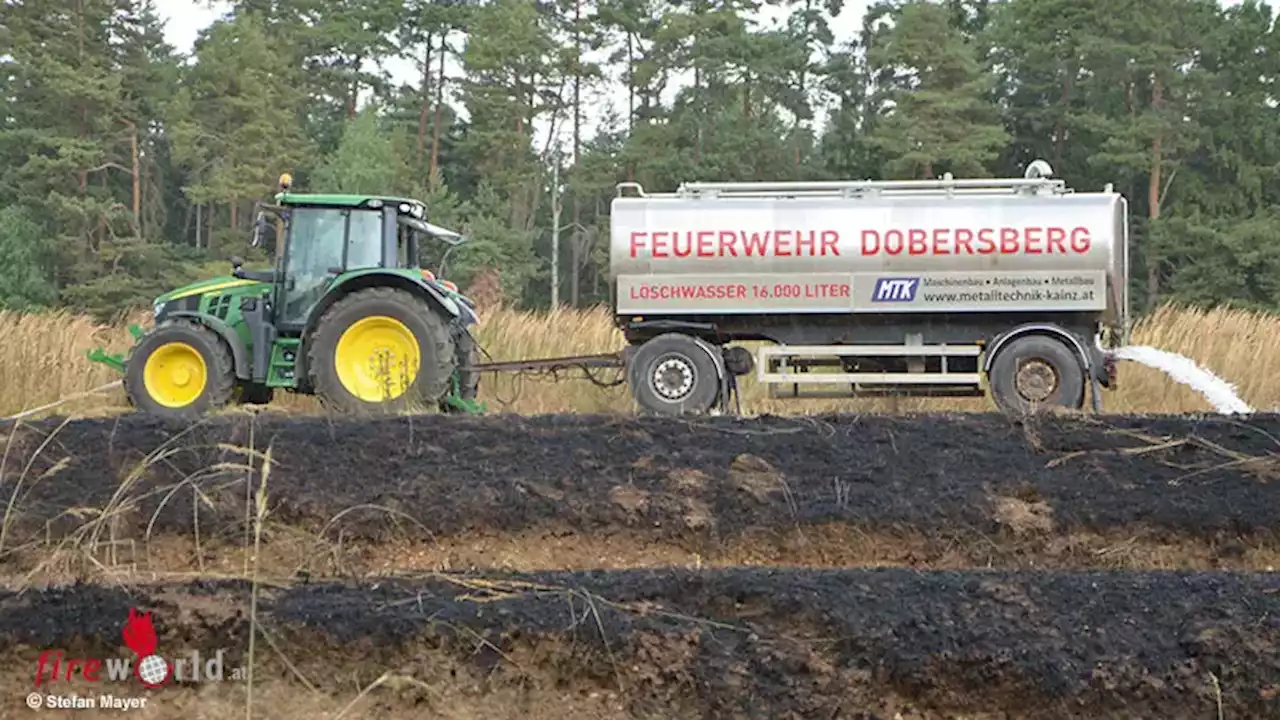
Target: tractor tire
180 370
1035 374
380 350
466 353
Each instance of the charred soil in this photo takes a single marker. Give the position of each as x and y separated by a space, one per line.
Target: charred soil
633 538
767 643
932 491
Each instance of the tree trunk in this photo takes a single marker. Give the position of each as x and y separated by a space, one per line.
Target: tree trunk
1060 128
1153 197
354 98
631 84
435 125
82 178
137 177
425 112
575 241
699 99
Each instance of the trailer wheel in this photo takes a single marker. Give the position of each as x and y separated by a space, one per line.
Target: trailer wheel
673 374
1034 373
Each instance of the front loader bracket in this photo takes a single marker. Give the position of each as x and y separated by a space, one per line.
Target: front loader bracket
115 361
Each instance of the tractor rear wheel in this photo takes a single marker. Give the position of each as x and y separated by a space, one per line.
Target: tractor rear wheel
380 350
180 370
466 353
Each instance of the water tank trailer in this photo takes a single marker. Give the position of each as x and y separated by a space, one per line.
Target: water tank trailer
948 287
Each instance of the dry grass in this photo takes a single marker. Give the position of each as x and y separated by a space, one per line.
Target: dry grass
42 360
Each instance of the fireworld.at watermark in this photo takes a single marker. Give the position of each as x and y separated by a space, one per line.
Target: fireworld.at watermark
150 668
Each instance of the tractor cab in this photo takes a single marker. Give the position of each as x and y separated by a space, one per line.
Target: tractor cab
319 237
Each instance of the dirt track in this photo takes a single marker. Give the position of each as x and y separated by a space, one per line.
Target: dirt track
743 643
934 491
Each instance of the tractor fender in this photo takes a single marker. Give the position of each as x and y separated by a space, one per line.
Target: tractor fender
468 315
382 278
239 353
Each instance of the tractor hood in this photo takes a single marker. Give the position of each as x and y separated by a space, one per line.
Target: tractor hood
222 282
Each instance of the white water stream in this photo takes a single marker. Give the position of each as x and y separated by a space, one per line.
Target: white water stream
1220 393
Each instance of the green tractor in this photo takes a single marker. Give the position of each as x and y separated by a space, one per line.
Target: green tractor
346 314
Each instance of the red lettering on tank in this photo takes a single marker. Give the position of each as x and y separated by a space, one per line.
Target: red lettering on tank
659 250
830 242
728 243
755 244
1080 240
1008 241
940 241
687 248
916 241
637 241
988 243
870 242
893 242
1055 237
805 244
1032 235
782 243
706 248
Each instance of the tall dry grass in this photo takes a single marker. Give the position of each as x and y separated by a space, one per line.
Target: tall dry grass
42 359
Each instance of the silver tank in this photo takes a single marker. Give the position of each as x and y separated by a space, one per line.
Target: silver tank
872 247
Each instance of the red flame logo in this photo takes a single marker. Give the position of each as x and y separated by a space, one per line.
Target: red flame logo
139 633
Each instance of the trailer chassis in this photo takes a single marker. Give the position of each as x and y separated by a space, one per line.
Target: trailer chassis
779 366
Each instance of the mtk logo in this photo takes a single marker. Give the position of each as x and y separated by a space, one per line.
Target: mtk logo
895 290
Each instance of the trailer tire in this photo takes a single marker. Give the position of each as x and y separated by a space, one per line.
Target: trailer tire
1034 373
674 374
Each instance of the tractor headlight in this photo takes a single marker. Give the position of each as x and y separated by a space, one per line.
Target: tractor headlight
156 309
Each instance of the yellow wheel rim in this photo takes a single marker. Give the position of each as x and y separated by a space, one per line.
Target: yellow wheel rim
377 359
175 375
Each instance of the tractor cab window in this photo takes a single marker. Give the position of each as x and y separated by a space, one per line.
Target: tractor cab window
317 237
364 240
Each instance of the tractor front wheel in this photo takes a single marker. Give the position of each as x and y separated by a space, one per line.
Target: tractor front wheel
180 370
378 350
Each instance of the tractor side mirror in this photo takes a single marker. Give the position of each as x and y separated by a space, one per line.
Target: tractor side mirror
261 226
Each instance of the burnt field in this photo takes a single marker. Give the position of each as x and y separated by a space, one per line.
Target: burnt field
571 566
945 491
760 643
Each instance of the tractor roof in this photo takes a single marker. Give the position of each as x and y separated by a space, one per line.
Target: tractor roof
340 200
